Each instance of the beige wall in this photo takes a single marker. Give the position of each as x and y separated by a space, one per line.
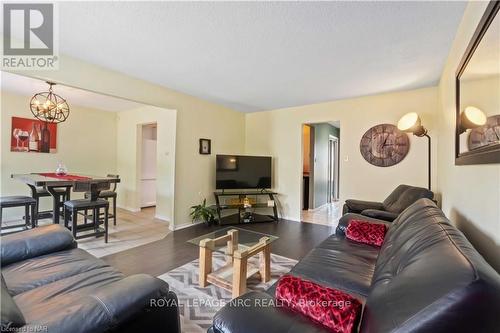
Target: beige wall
196 118
279 133
129 143
470 194
86 144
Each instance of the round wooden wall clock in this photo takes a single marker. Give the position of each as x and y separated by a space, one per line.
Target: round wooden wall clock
485 135
384 145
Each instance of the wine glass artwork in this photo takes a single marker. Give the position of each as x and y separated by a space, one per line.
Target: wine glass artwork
33 136
16 133
23 136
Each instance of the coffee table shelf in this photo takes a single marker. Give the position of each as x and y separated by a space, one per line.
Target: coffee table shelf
238 245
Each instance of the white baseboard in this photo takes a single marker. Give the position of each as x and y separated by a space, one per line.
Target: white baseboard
161 217
317 208
288 218
133 210
183 226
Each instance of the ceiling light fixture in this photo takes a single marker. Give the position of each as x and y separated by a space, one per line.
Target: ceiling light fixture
49 107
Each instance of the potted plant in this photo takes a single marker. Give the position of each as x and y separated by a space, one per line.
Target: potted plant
203 213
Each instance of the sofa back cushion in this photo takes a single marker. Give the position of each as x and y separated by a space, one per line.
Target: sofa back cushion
404 196
11 315
428 277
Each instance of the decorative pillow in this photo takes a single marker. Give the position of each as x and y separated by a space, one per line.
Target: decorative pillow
332 308
366 232
11 315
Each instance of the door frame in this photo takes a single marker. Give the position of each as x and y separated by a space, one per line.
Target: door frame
139 161
333 169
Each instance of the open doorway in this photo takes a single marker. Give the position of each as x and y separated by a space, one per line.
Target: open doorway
320 172
333 169
148 165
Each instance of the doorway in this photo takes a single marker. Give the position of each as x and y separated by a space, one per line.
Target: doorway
333 169
320 172
148 165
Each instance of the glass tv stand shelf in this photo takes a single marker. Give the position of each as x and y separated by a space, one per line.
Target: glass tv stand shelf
245 203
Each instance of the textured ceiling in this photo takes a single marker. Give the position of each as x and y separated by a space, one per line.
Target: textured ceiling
255 56
27 86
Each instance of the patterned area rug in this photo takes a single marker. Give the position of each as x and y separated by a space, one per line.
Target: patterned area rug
198 305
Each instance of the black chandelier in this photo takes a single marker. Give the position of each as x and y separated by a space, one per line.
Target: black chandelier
49 107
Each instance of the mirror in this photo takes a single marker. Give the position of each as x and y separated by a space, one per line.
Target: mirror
478 94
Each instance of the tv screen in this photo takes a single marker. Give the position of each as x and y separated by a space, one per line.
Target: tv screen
243 172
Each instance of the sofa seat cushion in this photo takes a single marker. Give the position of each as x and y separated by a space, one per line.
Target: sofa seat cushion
68 300
340 264
11 315
35 272
253 312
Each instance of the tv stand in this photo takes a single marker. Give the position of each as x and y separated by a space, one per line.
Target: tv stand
244 214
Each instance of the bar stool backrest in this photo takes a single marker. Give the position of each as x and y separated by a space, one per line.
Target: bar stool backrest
113 187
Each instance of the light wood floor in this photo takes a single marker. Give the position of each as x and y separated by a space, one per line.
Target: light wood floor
132 229
328 214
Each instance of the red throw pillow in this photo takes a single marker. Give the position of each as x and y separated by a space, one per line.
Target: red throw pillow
330 307
366 232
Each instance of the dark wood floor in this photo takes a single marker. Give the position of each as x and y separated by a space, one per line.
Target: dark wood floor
295 241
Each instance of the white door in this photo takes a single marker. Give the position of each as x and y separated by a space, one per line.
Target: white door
332 187
148 177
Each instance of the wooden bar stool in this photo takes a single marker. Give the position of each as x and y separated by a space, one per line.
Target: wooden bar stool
38 192
71 209
111 194
19 201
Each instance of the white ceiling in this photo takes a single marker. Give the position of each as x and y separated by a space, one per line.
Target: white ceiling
255 56
27 86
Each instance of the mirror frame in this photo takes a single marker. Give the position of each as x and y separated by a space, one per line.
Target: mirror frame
483 155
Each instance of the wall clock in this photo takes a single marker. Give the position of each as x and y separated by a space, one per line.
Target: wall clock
486 135
384 145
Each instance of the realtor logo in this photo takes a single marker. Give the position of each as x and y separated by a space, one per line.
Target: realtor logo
29 36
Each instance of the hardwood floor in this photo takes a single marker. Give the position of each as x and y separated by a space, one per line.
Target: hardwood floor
328 214
295 241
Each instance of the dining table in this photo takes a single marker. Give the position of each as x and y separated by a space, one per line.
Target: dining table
77 182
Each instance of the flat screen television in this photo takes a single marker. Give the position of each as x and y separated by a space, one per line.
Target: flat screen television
243 172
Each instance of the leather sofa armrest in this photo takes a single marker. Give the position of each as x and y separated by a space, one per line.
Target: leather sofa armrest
124 300
344 222
35 242
255 312
380 214
357 206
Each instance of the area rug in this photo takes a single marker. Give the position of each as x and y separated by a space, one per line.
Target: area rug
197 305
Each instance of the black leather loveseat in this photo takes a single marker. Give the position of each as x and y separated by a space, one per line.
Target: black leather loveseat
49 285
401 198
426 277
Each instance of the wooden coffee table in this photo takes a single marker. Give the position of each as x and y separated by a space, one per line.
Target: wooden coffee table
238 245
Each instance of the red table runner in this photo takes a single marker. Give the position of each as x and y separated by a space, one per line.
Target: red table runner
63 177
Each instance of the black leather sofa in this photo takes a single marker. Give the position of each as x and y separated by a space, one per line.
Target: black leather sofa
400 199
49 285
426 277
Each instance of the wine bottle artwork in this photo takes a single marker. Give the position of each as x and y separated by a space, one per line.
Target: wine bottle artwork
45 139
33 136
33 143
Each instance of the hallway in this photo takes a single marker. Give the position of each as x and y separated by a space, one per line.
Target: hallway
328 214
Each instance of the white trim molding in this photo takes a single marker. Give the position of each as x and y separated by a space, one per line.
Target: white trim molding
183 226
133 210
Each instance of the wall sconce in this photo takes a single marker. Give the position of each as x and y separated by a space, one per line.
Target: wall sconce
471 117
411 123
